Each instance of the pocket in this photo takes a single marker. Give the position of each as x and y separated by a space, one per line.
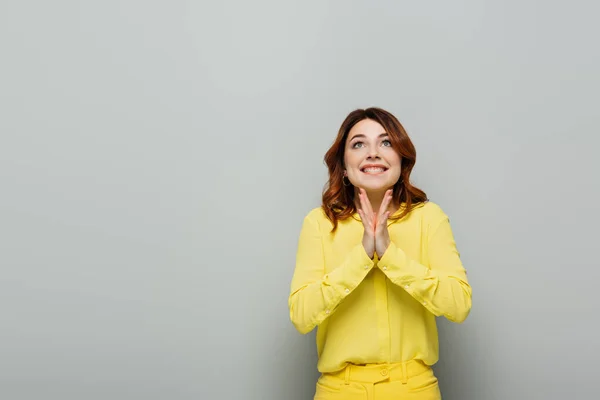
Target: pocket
329 388
326 384
425 382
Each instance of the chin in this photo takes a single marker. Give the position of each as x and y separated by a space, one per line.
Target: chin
375 187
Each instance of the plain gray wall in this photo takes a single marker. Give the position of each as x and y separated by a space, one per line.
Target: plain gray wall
157 159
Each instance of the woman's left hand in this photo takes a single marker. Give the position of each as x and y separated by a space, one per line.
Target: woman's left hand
382 235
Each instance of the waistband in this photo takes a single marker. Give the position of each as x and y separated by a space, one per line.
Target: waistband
372 373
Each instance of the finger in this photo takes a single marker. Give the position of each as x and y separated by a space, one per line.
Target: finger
361 213
387 199
384 206
364 220
370 214
383 222
360 198
367 204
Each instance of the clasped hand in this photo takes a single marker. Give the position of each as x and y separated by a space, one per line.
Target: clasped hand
376 238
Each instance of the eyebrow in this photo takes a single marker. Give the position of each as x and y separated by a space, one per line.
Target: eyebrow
360 135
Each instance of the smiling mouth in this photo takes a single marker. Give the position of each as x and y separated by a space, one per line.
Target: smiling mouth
373 170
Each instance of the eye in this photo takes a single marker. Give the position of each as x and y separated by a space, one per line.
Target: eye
387 143
358 144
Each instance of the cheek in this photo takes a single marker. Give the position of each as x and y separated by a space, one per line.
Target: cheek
352 161
393 159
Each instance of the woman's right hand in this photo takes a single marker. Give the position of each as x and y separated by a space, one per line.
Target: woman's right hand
368 219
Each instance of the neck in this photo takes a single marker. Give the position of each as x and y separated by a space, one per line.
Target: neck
375 198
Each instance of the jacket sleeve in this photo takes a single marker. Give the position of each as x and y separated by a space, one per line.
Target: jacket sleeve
314 294
442 287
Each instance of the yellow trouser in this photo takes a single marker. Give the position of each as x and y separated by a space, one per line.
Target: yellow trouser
411 380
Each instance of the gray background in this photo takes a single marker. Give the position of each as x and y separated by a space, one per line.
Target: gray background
157 159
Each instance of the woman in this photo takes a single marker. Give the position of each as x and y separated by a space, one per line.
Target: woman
375 264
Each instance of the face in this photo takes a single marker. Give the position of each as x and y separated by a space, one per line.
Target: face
370 161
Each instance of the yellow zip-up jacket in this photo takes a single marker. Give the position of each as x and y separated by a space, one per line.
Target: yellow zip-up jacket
371 311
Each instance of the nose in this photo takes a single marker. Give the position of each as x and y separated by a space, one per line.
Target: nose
373 153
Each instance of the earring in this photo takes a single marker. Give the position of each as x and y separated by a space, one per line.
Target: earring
344 178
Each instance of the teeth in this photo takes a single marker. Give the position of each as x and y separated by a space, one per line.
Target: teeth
373 169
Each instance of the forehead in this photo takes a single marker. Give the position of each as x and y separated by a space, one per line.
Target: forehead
366 127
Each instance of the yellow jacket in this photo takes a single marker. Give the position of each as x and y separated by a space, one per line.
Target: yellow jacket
371 311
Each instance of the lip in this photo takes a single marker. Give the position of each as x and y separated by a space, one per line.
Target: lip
362 169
